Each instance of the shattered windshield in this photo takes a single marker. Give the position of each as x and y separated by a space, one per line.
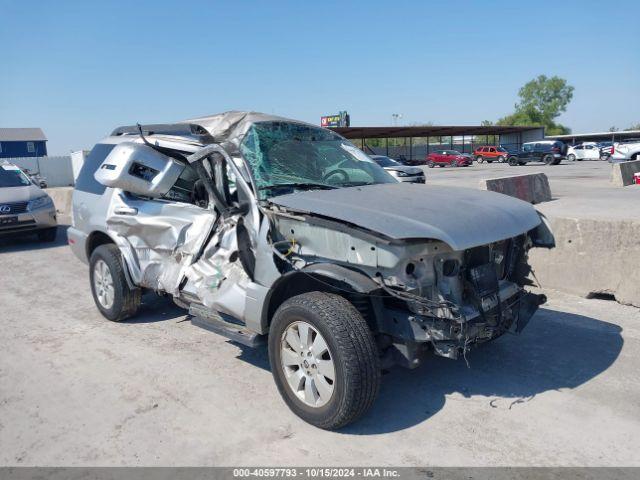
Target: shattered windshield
11 176
283 155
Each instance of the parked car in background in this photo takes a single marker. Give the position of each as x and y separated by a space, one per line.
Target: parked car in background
624 151
24 207
583 151
36 178
402 173
550 152
490 154
452 158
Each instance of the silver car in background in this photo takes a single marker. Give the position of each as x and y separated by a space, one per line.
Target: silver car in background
24 207
400 172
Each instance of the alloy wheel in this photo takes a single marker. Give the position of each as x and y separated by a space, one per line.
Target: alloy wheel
103 284
307 363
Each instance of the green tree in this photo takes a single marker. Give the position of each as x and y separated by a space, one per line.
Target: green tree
542 100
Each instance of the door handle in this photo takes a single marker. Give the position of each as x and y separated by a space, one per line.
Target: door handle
126 211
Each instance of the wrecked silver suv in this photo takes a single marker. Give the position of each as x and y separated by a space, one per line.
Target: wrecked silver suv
268 229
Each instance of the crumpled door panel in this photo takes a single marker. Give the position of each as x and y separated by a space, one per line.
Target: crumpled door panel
164 236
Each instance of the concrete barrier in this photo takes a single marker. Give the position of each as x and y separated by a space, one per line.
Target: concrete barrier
592 256
622 172
61 197
532 188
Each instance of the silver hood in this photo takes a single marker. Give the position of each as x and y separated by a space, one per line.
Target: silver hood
19 194
462 218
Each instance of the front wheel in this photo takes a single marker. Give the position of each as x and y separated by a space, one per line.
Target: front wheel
323 359
430 164
111 292
548 159
513 161
571 157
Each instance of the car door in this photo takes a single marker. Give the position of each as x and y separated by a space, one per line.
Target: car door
591 152
538 152
527 152
492 153
165 234
578 151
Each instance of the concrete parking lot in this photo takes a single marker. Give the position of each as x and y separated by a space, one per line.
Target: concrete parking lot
76 389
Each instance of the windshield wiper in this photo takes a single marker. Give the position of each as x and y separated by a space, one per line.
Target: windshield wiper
357 184
301 186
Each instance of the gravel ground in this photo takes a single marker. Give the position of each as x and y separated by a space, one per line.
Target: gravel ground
76 389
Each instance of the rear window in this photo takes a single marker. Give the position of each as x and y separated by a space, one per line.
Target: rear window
86 181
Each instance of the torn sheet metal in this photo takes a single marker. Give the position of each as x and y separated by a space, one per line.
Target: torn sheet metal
165 237
218 278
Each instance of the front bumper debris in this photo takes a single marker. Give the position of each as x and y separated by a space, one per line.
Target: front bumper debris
417 334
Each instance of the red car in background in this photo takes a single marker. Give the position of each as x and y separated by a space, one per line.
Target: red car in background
452 158
491 153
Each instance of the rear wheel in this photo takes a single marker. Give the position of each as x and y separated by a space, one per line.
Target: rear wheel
48 235
548 159
571 157
479 159
430 164
501 158
111 293
323 359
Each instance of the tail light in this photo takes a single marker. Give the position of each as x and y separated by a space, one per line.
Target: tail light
613 149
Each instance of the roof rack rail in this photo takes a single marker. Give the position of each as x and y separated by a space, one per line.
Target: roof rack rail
178 129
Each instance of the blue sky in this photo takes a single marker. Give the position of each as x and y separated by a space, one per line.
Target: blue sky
79 69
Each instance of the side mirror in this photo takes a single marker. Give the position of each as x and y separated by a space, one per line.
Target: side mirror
139 169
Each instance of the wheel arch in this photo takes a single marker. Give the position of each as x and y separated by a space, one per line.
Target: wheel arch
332 278
131 269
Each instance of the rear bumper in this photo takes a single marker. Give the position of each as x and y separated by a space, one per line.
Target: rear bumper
29 222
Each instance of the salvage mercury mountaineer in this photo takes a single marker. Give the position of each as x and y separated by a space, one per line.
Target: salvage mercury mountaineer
272 230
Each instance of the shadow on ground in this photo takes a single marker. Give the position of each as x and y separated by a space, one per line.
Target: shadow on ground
22 242
557 350
155 309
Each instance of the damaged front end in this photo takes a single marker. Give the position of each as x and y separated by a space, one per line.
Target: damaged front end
419 295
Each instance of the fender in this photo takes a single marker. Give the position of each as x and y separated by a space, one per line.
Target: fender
302 281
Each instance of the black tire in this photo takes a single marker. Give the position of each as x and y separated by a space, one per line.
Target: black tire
353 350
431 164
548 159
513 161
126 300
571 157
48 235
556 161
479 159
501 159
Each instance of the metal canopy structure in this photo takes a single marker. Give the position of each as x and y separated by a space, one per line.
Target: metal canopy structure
417 141
596 136
428 131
